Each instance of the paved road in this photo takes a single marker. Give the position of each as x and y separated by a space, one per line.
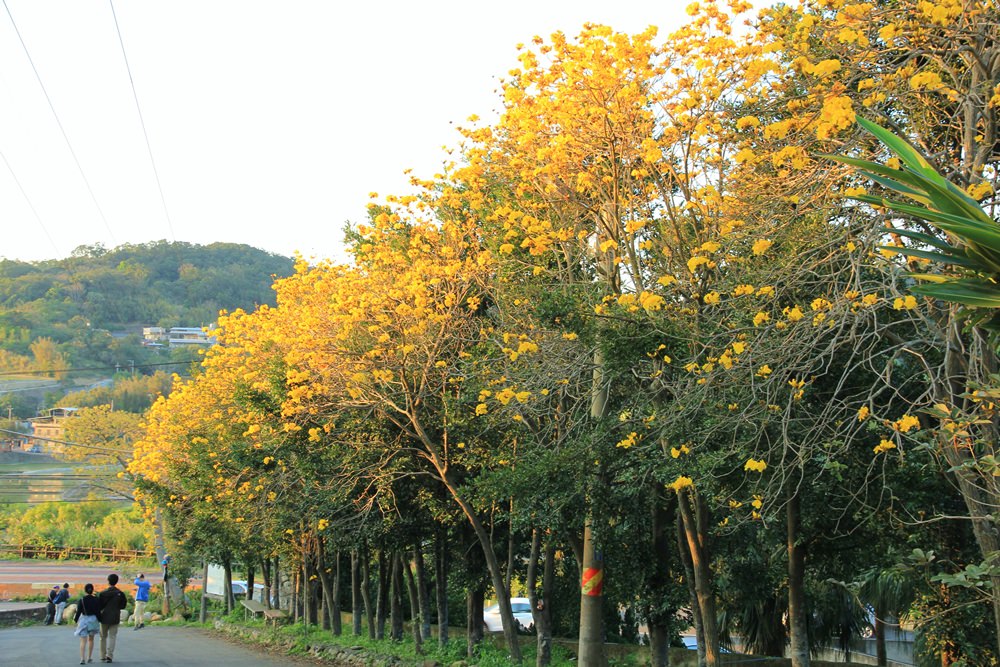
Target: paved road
52 646
48 573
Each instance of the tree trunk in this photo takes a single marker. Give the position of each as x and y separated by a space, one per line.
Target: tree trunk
324 580
695 533
171 588
474 620
227 584
203 612
336 621
441 584
250 578
685 553
509 569
396 596
422 592
798 649
541 613
591 649
276 577
357 605
658 620
366 591
265 571
415 616
881 658
306 597
382 595
591 643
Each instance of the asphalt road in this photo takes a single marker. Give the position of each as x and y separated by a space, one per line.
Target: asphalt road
49 573
55 646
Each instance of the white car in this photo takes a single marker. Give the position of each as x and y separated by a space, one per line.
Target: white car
240 589
522 615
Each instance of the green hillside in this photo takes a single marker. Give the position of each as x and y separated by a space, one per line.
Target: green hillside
87 311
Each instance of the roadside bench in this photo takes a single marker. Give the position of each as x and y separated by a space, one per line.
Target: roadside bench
252 607
274 615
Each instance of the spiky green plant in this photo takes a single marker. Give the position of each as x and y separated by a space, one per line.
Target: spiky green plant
972 244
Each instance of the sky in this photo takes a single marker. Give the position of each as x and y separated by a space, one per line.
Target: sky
268 123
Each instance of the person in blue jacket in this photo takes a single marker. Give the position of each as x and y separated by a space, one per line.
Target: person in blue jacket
141 598
61 599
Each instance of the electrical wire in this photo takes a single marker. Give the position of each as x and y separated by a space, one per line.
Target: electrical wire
27 199
52 107
142 122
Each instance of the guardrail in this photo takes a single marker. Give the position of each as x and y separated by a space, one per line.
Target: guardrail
65 553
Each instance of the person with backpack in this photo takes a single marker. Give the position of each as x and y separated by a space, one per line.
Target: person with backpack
111 602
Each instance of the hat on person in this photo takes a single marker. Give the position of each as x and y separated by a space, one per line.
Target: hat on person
56 587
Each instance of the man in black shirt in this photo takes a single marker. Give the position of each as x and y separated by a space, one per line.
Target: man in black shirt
111 601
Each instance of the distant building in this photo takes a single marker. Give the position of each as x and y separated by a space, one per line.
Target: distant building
50 426
175 336
181 336
153 335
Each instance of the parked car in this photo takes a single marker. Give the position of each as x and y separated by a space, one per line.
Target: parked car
691 643
240 590
522 615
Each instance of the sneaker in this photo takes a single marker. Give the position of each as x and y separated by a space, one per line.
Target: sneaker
83 662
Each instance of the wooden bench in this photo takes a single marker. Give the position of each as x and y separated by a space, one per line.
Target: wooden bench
253 607
275 615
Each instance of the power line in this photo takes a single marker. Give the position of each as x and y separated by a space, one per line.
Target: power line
142 122
59 123
30 204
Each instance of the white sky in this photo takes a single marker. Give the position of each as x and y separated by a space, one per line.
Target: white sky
269 122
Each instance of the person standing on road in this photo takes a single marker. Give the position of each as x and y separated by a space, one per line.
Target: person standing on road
111 602
141 598
62 598
87 623
50 606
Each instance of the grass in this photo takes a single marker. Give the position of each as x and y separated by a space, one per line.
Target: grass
296 640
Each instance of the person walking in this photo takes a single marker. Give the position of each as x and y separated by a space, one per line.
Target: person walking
61 599
87 623
141 598
111 603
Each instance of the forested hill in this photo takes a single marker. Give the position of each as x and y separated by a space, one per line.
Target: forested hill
86 303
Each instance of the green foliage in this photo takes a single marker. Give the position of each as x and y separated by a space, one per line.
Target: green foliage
97 524
954 623
77 301
127 393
